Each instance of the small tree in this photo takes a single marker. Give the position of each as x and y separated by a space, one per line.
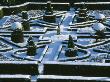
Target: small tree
70 42
31 47
29 39
49 8
24 15
83 5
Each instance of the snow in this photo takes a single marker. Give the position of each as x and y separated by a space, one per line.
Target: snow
66 19
96 15
57 39
85 30
98 27
16 25
92 14
15 76
99 16
18 62
54 47
4 20
73 78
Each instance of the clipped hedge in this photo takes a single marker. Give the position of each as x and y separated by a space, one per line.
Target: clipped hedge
8 10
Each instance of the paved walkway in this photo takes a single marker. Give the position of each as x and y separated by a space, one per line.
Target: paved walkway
53 47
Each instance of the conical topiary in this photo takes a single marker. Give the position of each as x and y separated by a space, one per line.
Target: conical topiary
70 42
24 15
49 8
31 47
